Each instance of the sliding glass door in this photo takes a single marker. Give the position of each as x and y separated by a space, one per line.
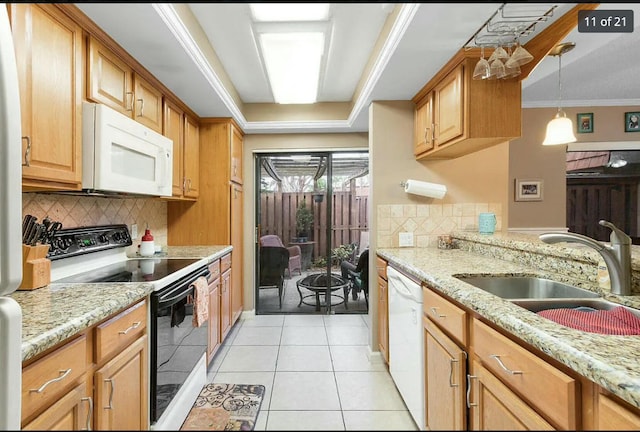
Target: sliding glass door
299 248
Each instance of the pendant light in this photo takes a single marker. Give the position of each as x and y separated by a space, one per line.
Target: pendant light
560 128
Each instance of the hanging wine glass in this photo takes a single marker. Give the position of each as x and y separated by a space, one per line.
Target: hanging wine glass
520 56
483 68
511 68
498 54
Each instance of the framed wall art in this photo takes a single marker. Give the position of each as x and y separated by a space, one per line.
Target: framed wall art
632 122
584 122
528 190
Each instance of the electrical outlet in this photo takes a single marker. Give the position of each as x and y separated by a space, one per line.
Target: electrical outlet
134 231
406 239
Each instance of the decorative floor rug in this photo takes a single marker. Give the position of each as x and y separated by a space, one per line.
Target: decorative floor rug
225 407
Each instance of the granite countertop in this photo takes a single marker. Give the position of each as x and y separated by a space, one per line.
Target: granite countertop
58 311
609 361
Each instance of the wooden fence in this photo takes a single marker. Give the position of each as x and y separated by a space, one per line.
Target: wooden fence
278 216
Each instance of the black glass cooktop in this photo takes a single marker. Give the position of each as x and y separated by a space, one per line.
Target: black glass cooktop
133 270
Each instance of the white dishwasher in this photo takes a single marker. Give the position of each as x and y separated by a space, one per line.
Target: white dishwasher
406 352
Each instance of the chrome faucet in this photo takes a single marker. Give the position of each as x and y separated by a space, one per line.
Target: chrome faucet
617 257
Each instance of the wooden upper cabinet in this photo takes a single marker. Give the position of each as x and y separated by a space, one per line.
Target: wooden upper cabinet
48 48
191 157
112 82
173 129
236 154
448 106
423 124
147 105
110 79
185 133
465 115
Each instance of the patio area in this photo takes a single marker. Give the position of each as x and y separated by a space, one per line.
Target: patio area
269 302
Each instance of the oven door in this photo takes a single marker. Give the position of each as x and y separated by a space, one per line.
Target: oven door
176 345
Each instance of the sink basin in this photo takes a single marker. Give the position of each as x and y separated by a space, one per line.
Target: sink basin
527 287
537 305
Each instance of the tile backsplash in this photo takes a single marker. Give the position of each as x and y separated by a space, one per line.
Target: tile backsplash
428 221
76 211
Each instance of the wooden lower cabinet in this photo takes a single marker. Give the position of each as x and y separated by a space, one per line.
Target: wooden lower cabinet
215 338
225 303
494 407
72 411
121 390
97 379
614 415
445 374
383 308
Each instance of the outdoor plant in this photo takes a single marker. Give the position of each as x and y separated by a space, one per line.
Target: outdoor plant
304 220
342 253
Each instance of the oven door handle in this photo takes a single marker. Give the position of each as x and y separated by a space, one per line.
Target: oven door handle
170 301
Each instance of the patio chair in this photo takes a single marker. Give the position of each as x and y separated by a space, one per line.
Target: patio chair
358 276
295 253
273 262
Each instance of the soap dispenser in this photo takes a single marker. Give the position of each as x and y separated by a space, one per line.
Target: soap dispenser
147 247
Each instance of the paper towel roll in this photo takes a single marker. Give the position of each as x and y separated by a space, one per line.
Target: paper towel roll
433 190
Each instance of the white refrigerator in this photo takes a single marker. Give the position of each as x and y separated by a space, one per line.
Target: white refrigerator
10 232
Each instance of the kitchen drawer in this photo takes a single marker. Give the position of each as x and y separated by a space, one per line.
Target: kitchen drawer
449 317
45 380
225 263
381 266
214 269
546 388
120 331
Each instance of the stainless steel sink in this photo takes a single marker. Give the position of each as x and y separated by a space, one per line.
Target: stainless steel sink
527 287
537 305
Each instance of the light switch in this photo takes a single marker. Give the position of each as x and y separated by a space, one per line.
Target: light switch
406 239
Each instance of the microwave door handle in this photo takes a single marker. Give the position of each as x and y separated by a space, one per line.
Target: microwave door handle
164 154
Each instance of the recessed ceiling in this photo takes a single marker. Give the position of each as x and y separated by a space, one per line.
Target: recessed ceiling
599 71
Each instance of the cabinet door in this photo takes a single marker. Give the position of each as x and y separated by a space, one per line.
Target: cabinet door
236 155
73 411
48 48
236 253
191 157
445 373
147 104
110 80
122 391
448 98
173 129
225 303
612 415
423 124
214 319
494 407
383 319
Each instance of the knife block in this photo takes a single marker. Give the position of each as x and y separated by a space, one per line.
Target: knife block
36 267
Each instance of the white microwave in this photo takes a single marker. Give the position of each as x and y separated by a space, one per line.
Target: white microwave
123 156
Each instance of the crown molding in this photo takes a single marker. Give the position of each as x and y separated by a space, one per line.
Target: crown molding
581 103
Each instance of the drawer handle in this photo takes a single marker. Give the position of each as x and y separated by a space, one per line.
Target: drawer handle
90 413
63 375
141 107
434 311
506 369
469 378
451 383
113 389
133 327
130 101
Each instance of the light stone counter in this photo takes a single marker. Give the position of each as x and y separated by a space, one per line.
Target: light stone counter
58 311
610 361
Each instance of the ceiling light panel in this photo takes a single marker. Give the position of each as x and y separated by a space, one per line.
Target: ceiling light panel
293 63
278 12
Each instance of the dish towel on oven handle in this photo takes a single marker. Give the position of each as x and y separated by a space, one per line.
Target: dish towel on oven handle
200 301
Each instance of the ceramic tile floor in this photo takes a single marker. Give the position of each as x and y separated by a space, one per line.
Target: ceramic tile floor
316 373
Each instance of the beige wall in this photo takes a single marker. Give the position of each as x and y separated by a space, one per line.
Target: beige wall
272 143
529 159
257 112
